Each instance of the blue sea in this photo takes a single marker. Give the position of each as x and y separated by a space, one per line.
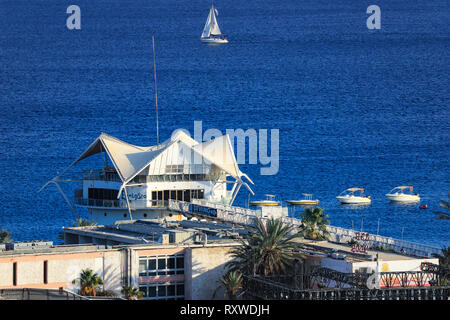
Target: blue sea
353 106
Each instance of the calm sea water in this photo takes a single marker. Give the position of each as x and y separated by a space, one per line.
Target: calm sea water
354 107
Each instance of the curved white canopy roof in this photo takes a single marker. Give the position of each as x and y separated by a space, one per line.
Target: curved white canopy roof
130 160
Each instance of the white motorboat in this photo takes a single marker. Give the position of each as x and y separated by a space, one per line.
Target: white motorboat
354 196
398 195
211 32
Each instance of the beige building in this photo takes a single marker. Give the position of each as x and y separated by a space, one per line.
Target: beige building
176 271
170 260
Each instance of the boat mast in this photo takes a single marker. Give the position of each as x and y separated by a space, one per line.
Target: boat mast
156 91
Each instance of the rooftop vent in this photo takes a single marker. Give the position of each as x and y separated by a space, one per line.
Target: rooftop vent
29 245
338 256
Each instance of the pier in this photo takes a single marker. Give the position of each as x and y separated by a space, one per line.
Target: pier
246 217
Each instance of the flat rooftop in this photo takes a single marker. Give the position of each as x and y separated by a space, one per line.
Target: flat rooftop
150 231
74 248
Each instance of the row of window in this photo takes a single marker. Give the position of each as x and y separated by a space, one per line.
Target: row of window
161 265
104 194
163 291
174 177
111 194
183 195
175 168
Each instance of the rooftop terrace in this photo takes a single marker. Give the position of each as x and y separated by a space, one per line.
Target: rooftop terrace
346 253
152 232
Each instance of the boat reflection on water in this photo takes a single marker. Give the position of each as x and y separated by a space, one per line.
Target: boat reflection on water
355 206
404 204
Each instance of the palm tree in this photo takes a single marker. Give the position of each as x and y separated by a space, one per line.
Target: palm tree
232 282
315 224
5 236
267 250
89 282
446 205
84 223
131 293
78 223
444 258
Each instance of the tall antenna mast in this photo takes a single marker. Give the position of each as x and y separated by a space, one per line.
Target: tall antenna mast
156 91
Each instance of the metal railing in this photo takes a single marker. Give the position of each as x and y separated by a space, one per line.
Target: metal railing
101 175
189 174
39 294
342 235
121 204
266 289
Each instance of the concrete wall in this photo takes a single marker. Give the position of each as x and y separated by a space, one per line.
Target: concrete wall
62 268
208 266
204 266
6 271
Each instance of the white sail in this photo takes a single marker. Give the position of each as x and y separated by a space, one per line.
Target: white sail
211 26
206 29
215 30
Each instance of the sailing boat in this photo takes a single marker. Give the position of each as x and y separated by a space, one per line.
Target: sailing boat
211 33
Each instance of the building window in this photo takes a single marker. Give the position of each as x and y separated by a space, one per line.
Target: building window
15 274
174 168
45 271
182 195
102 194
144 291
163 291
164 265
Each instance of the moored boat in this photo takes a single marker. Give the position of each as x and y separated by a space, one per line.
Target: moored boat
398 195
354 196
306 201
267 202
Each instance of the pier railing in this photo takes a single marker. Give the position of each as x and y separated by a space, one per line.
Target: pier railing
121 204
246 216
342 235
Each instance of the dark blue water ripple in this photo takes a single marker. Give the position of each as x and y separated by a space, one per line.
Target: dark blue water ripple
354 107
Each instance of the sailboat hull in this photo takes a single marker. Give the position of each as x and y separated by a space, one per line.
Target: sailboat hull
213 40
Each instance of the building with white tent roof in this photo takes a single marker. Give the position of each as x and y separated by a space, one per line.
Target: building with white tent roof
141 180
